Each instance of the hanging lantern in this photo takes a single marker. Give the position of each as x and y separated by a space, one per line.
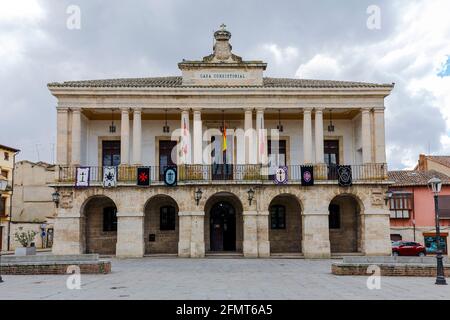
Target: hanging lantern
166 128
112 127
331 126
279 126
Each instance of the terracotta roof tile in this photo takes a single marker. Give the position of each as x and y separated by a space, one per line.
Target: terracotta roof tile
415 178
175 82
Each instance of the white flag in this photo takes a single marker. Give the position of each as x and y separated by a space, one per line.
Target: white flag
82 177
109 177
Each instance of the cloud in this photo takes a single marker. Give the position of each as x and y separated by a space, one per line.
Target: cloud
320 67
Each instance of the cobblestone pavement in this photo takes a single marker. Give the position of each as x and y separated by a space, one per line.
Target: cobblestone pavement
175 278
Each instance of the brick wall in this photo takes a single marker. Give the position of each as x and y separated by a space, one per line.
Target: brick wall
406 270
91 268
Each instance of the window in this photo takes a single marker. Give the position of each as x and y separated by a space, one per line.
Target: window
167 218
278 217
444 207
400 205
6 156
109 219
2 207
111 153
334 217
5 173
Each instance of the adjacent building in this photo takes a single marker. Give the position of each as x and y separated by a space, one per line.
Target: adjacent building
32 205
438 163
221 159
412 208
7 159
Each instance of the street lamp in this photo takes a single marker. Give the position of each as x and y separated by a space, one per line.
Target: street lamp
3 185
435 185
55 197
198 195
251 194
387 196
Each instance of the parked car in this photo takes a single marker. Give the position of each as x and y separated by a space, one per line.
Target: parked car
408 248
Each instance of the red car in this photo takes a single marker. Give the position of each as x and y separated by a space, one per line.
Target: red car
405 248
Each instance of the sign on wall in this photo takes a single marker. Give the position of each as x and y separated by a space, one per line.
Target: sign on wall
307 173
109 177
82 177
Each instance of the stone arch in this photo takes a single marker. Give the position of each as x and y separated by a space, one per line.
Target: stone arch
285 223
161 225
98 224
345 223
226 198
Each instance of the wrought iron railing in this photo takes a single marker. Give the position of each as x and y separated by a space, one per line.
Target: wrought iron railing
230 172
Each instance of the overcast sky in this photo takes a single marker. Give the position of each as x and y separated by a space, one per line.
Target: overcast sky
307 39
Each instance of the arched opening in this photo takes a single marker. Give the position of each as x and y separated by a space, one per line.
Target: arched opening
99 222
285 224
344 223
161 225
223 223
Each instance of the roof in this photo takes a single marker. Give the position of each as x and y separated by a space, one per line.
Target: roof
8 148
443 160
404 178
39 163
176 82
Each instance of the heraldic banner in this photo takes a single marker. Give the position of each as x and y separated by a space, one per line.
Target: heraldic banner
109 177
82 177
307 173
143 176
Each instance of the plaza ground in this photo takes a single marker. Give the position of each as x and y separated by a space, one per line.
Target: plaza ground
214 278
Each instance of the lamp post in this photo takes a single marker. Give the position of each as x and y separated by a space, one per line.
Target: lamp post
435 184
55 198
3 185
251 194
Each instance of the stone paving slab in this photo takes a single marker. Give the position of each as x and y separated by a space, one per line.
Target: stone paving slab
176 278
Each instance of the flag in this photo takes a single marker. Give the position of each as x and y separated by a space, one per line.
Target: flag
307 173
109 176
344 175
82 177
224 143
143 176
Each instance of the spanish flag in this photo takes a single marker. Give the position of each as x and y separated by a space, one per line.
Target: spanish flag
224 144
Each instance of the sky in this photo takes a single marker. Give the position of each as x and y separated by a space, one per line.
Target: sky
409 45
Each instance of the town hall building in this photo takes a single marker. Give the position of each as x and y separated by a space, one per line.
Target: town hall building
221 160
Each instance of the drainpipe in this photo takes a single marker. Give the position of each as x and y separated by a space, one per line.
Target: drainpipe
414 216
10 201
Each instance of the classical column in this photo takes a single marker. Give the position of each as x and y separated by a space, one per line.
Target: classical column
318 127
137 136
185 138
62 124
366 136
130 235
184 234
198 137
191 239
125 137
68 232
263 234
250 154
380 147
76 136
250 243
262 141
307 136
375 229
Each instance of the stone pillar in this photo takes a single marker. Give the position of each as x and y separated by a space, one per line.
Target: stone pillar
316 237
62 124
130 235
197 234
137 136
263 234
380 148
184 236
307 136
262 139
125 137
366 136
76 137
250 243
69 234
185 138
319 135
376 232
250 139
198 137
191 240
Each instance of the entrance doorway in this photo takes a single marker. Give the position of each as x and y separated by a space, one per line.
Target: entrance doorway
223 227
165 156
331 157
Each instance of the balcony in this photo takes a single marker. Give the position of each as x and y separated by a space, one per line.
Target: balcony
230 173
